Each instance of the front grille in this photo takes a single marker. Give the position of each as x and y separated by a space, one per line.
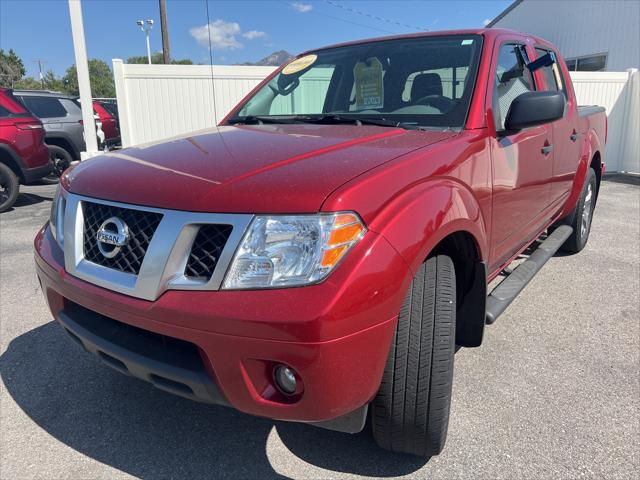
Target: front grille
142 225
206 250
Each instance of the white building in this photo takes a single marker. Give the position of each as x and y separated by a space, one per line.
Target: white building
593 35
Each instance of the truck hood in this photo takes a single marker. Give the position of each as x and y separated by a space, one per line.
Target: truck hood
245 169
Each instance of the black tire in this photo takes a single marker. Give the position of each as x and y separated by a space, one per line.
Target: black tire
9 188
582 216
61 160
410 413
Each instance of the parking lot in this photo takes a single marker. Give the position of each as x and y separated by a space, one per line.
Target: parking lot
554 392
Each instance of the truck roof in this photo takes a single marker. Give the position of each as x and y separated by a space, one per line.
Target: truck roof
489 33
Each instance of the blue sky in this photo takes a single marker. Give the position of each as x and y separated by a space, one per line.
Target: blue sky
242 30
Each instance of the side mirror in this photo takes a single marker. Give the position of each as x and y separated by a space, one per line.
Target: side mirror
534 108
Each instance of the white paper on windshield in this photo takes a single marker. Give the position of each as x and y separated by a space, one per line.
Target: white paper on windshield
369 86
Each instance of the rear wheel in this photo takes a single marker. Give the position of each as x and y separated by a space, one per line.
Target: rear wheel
583 216
61 160
410 413
9 187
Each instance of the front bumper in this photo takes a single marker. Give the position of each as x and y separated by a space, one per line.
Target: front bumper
335 335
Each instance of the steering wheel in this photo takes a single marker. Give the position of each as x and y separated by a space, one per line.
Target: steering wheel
442 103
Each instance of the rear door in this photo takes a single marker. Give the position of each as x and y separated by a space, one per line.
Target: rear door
522 161
565 132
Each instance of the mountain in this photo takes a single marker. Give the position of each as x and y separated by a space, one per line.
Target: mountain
274 60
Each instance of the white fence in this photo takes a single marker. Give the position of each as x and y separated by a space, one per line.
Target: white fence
161 101
619 93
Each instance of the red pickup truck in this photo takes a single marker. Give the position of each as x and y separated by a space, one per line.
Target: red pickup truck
319 256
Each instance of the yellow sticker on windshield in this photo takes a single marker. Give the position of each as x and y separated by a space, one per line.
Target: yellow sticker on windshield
300 64
369 85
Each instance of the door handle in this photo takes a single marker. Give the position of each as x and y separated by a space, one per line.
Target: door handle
574 136
546 150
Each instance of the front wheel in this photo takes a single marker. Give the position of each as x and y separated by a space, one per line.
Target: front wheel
583 216
61 160
9 187
410 413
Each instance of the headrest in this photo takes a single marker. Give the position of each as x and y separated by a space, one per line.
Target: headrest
426 84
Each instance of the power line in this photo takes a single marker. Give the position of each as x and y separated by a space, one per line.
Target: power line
374 17
343 19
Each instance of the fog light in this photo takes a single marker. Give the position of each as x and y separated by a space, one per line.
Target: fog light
286 379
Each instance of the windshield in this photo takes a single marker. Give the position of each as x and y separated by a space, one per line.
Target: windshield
409 82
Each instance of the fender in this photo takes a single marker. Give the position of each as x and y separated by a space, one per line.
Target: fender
75 153
12 160
590 146
422 216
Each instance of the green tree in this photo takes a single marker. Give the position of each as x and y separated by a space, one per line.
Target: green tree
156 58
102 84
49 82
11 68
28 83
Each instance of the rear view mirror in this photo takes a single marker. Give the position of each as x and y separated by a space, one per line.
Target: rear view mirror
534 108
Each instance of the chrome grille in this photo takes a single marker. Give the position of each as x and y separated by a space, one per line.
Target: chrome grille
142 225
206 250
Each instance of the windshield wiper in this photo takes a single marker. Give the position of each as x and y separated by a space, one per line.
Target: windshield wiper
333 119
259 120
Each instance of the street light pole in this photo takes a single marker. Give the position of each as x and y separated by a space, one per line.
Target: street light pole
148 47
146 28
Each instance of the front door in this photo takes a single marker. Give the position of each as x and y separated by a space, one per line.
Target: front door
566 155
522 161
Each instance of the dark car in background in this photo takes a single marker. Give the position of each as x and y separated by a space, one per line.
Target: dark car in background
24 157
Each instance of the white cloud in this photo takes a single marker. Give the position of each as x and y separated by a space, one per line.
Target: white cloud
223 35
253 34
486 21
302 7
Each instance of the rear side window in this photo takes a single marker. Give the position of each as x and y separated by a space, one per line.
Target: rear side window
512 79
4 112
552 75
71 106
45 107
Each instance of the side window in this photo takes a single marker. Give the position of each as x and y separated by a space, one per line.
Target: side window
548 73
45 107
4 112
71 107
512 79
552 75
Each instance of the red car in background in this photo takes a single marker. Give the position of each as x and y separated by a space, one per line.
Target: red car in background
109 120
24 157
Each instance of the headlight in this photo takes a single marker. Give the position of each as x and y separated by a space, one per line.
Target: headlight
56 219
284 251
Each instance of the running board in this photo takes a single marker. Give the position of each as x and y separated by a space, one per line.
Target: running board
502 296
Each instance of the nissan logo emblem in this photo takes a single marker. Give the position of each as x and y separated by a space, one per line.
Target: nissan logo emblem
112 235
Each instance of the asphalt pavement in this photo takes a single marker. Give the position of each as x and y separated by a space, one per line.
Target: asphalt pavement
554 391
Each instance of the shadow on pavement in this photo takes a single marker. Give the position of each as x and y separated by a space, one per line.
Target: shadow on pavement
622 178
129 425
26 199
